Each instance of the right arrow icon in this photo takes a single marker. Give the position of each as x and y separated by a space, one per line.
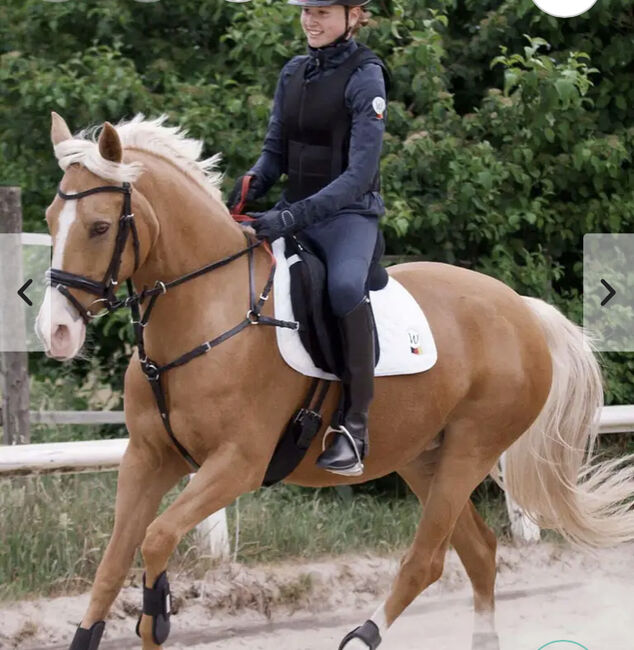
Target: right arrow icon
610 295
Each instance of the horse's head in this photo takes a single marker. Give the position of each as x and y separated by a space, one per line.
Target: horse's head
96 243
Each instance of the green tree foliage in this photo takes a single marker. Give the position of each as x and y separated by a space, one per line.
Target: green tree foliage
510 133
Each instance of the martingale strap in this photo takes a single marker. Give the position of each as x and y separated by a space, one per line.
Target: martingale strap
153 371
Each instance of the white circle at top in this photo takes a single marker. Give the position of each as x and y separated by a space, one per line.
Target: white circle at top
564 8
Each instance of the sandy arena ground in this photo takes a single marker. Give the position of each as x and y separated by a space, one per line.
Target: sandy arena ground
545 593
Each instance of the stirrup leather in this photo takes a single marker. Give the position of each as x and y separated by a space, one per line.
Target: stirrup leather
358 468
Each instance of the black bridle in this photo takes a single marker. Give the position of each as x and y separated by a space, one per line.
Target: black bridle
106 291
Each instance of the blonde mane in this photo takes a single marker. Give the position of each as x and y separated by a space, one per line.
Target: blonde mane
147 135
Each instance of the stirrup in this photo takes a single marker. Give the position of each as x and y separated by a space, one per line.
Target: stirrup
358 468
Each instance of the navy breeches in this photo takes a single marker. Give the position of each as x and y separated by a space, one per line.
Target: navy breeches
346 244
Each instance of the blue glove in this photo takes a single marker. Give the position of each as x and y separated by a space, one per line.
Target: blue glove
255 191
274 223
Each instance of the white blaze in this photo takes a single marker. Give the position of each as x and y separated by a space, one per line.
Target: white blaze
58 324
66 219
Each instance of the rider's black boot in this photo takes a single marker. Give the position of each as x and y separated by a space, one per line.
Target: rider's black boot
350 445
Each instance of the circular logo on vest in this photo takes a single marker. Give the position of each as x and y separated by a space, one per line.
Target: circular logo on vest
564 8
378 104
563 645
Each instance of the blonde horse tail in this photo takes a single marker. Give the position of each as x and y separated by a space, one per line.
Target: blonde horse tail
549 471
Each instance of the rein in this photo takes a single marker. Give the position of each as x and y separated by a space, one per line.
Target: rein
106 289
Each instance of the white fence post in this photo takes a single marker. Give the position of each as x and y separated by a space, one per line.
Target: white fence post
97 455
522 528
614 419
213 534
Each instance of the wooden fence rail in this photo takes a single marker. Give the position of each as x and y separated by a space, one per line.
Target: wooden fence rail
94 456
99 455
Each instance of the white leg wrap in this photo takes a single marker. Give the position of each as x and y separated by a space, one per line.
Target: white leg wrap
484 622
378 618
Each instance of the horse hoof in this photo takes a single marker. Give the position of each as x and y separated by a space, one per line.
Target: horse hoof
485 641
356 644
366 637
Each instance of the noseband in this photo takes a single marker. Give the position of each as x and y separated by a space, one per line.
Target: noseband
106 289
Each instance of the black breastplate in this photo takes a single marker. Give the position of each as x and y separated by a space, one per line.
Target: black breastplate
316 126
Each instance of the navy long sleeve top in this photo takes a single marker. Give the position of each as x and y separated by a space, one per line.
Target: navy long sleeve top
350 191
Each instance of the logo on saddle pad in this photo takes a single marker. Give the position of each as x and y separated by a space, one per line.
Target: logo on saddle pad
414 342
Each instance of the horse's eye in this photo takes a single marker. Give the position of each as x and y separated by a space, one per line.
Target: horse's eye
99 228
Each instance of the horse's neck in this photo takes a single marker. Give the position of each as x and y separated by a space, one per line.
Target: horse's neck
194 228
194 232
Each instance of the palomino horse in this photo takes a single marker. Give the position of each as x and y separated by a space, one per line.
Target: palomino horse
512 374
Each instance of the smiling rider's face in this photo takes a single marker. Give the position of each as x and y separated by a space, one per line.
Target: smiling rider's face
323 25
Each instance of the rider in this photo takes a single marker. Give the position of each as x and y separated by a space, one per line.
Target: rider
326 132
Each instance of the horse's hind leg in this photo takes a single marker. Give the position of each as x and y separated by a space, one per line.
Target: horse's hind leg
444 487
476 545
143 480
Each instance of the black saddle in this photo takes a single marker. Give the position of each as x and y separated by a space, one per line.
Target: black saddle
318 329
319 333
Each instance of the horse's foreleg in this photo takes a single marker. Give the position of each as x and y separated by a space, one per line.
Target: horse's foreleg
142 482
224 476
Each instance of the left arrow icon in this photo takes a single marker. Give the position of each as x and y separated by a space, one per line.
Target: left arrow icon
22 295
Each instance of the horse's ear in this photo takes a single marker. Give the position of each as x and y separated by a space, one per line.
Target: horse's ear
59 129
110 144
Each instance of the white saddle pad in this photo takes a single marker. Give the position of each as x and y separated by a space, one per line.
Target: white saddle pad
405 338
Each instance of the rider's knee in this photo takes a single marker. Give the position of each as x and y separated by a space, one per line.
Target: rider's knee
345 294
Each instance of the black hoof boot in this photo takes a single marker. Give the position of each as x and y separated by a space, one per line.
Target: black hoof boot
157 604
485 641
368 633
344 456
88 639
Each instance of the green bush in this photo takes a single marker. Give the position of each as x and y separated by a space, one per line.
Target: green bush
509 132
